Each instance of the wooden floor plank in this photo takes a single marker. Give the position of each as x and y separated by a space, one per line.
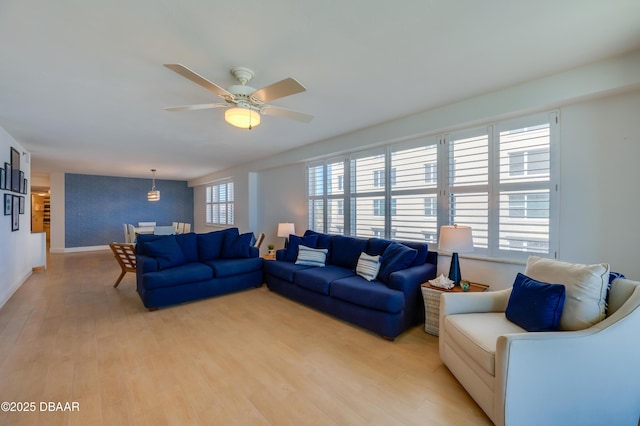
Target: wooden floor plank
252 357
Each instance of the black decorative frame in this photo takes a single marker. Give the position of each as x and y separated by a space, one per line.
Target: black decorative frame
2 172
15 214
22 203
16 181
7 176
8 198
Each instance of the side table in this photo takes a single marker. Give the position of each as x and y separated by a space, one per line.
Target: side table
431 296
268 256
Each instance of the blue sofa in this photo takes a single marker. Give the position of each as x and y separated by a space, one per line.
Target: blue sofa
174 269
388 305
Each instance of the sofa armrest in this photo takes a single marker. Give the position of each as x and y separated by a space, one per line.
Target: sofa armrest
579 377
146 264
409 279
280 254
466 303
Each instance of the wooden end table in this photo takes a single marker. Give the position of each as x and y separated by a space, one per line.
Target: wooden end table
431 296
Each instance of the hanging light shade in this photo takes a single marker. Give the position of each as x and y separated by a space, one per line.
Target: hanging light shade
153 195
245 118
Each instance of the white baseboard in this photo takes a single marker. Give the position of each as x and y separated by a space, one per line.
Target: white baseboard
79 249
8 292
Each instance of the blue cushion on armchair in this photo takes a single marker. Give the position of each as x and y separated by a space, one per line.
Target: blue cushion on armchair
395 257
534 305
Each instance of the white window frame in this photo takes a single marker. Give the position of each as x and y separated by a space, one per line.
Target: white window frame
219 204
486 237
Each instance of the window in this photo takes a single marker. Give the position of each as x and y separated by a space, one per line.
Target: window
219 204
430 175
499 179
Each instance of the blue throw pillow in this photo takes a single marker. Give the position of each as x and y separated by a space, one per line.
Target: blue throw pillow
167 252
210 244
395 257
236 246
534 305
291 253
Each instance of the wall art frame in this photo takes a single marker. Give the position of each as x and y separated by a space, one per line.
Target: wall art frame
15 214
8 200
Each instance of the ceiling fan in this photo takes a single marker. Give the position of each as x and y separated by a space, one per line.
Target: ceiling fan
244 103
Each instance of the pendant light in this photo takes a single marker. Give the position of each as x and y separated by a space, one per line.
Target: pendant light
153 195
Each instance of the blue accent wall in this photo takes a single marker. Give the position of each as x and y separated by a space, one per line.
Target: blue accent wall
97 206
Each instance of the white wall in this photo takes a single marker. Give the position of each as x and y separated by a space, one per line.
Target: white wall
598 104
16 248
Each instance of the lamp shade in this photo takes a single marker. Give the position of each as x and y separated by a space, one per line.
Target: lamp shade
455 239
245 118
285 229
153 196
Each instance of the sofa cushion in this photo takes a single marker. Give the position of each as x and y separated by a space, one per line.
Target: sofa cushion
319 279
167 252
368 266
143 239
534 305
324 240
395 257
370 294
310 256
230 267
283 270
177 276
345 251
421 255
477 335
291 252
586 287
236 246
377 246
210 244
189 244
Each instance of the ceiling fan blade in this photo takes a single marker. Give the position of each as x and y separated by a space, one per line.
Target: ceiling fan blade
287 113
286 87
198 79
195 107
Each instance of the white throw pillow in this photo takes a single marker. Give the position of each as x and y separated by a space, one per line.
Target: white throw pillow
368 266
586 287
310 256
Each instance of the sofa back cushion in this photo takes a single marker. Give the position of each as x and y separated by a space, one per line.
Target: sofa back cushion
189 244
210 244
395 257
586 287
143 239
167 252
422 251
345 251
291 252
236 246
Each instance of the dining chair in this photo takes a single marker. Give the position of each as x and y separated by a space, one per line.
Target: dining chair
132 233
125 254
180 228
127 237
187 228
259 240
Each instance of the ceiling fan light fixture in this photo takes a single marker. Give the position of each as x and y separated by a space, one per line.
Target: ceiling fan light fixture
244 118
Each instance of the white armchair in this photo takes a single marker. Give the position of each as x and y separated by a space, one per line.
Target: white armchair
586 377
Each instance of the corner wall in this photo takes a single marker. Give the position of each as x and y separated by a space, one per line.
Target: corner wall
16 248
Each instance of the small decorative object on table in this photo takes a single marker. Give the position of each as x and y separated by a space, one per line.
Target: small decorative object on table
442 282
464 284
270 248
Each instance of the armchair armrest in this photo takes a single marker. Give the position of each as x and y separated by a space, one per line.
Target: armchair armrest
466 303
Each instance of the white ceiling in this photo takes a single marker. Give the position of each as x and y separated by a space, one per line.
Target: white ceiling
83 88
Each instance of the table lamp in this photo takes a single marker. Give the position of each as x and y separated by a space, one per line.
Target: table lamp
455 239
284 230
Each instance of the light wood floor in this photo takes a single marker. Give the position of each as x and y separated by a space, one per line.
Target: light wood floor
250 358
